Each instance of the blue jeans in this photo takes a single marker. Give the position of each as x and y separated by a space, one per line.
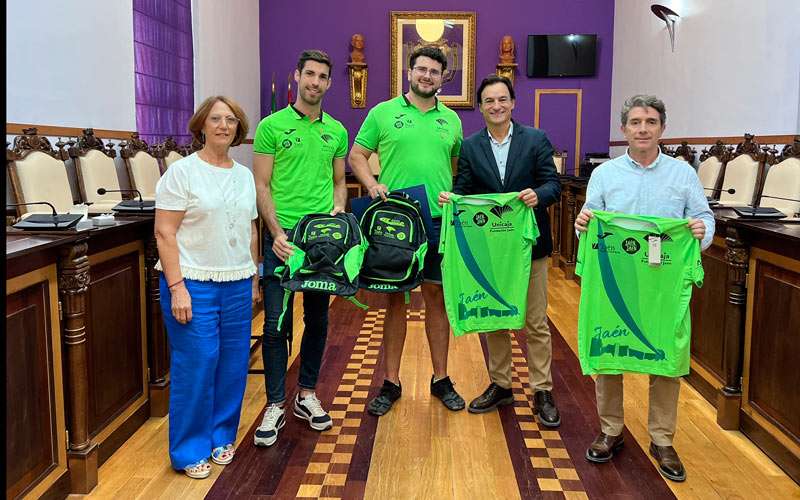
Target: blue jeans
274 348
208 367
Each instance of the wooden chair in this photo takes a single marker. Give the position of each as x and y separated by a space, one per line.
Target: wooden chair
685 152
168 153
712 162
94 164
741 173
560 160
142 166
38 173
783 181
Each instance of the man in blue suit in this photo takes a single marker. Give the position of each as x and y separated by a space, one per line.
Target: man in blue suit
507 156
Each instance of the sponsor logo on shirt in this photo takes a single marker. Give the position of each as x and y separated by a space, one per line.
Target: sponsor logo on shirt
499 210
326 137
480 219
663 236
631 245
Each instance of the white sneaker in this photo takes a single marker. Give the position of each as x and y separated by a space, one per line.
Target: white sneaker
267 433
309 408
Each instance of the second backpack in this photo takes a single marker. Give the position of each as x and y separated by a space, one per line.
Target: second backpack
397 242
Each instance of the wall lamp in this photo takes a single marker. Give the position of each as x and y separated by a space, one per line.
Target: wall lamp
669 17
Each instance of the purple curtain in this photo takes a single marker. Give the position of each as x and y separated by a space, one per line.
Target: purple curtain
164 67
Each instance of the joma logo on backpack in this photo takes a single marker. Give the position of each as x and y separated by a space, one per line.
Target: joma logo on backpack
378 286
319 285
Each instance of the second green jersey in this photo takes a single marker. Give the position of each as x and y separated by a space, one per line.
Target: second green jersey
486 245
414 147
303 154
636 283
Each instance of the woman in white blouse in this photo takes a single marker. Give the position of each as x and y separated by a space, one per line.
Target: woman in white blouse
208 248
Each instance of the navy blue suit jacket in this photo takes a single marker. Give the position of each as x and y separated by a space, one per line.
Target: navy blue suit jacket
529 165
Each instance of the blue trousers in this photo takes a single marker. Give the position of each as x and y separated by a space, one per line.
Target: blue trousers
274 349
208 371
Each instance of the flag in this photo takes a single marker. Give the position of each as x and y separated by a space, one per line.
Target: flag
289 94
273 107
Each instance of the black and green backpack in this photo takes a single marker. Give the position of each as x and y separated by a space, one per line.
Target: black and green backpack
397 244
328 250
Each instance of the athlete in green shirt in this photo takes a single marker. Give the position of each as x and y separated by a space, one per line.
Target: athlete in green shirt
418 139
298 164
646 182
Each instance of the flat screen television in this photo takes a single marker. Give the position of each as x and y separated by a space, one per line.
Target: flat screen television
561 55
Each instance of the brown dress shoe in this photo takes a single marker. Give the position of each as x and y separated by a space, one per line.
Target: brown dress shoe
603 447
669 464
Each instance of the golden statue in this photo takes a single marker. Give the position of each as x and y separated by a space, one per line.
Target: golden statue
357 42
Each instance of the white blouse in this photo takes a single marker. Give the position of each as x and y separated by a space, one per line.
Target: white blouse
219 205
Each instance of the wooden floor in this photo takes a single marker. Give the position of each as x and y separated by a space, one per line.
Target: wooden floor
421 450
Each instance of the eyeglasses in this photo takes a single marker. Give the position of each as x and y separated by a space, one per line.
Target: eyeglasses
434 73
230 121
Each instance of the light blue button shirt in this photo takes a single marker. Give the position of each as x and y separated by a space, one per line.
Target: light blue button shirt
666 188
500 150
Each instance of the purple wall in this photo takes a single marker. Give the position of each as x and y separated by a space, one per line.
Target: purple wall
287 28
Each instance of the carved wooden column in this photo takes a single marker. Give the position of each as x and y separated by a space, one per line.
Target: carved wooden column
157 347
568 244
555 225
73 282
730 397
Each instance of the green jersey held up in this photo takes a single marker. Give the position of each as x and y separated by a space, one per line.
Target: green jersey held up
636 283
486 245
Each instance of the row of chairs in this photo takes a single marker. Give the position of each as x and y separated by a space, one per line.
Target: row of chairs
748 173
38 172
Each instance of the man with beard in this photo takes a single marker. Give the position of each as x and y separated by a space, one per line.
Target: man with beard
299 169
418 139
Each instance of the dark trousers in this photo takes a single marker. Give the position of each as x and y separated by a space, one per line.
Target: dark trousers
274 348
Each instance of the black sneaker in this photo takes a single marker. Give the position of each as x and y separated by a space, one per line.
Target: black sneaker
444 390
383 402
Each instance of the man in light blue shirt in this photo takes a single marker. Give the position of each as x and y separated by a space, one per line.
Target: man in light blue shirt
645 181
500 149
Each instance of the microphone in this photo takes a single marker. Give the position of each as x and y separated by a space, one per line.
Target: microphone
55 218
102 191
717 190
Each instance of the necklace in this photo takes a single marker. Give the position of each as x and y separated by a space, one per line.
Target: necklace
230 206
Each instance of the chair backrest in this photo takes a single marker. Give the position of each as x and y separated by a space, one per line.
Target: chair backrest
38 173
560 160
168 153
94 164
685 152
742 173
170 158
712 163
783 181
142 166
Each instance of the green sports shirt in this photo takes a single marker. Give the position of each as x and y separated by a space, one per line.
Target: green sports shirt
415 147
634 315
303 151
486 245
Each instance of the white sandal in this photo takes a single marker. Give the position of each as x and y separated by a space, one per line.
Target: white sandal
223 455
199 470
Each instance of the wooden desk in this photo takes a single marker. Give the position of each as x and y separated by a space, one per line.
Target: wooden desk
36 458
746 333
111 319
